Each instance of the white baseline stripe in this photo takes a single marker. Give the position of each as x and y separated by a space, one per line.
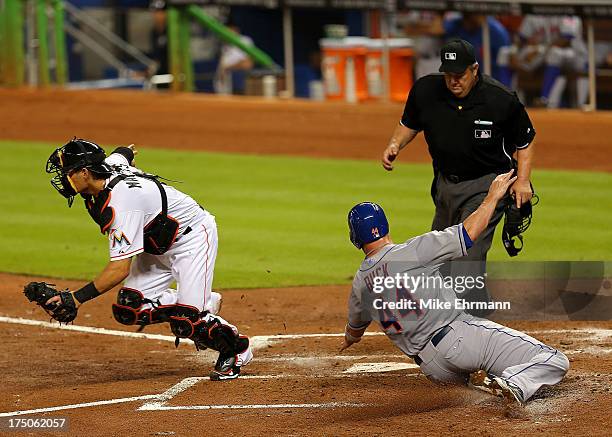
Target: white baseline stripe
87 329
257 340
182 386
252 407
83 405
330 376
161 399
307 358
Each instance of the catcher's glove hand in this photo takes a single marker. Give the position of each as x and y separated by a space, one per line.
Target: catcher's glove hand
516 222
64 311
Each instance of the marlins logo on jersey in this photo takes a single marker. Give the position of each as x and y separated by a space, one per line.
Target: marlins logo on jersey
118 238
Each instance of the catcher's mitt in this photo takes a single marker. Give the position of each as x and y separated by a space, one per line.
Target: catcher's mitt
40 292
516 221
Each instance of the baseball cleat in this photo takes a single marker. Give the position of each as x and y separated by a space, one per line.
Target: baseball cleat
496 386
225 369
510 391
480 379
228 366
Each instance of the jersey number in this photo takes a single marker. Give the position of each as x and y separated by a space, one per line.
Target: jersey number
388 319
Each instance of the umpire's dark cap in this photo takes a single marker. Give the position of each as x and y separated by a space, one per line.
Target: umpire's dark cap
456 56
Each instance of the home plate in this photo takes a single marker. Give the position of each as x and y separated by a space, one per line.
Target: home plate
379 367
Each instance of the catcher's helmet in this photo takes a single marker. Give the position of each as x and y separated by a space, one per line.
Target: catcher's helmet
367 223
75 155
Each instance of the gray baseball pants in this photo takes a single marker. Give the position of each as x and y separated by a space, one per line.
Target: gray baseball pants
454 203
478 344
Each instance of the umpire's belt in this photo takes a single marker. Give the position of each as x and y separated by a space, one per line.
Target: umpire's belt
434 340
455 179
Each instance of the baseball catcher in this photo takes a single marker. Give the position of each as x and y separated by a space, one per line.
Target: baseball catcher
157 235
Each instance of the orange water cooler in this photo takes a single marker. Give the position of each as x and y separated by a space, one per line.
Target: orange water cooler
401 64
343 68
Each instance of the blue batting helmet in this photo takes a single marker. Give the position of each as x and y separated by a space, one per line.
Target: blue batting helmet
367 223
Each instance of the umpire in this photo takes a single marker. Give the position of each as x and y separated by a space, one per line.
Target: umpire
475 129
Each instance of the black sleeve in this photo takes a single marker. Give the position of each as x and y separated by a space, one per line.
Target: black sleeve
125 151
410 118
519 130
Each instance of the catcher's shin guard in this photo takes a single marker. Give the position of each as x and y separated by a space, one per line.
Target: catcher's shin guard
228 365
186 322
233 348
129 309
207 331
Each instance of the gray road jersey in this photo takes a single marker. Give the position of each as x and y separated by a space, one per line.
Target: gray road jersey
417 263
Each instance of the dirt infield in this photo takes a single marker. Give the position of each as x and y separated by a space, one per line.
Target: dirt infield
566 139
296 385
109 380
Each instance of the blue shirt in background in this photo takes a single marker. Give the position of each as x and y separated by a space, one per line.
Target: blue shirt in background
500 37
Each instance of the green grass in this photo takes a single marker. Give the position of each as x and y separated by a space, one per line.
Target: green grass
282 220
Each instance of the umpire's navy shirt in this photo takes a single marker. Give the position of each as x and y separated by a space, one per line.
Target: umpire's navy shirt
472 136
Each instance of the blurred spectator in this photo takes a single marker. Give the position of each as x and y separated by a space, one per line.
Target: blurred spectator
554 43
160 36
603 54
511 23
469 27
233 66
427 31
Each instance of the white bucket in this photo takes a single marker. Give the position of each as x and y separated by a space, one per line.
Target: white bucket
268 84
316 90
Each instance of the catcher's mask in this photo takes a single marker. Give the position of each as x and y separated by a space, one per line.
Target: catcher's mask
367 223
72 156
516 221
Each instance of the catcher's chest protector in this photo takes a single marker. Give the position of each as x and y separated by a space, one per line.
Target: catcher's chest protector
159 234
98 208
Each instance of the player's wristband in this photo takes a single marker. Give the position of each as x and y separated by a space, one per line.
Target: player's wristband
351 338
86 293
126 152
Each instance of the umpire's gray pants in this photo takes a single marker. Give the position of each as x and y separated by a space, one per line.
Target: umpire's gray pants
479 344
454 203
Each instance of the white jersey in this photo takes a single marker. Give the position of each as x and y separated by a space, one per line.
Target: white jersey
232 55
538 29
132 203
136 201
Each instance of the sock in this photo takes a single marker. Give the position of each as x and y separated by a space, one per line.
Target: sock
551 73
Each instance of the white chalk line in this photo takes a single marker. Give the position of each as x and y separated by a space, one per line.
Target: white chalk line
308 358
82 405
86 329
255 406
257 341
261 340
161 400
158 401
379 367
